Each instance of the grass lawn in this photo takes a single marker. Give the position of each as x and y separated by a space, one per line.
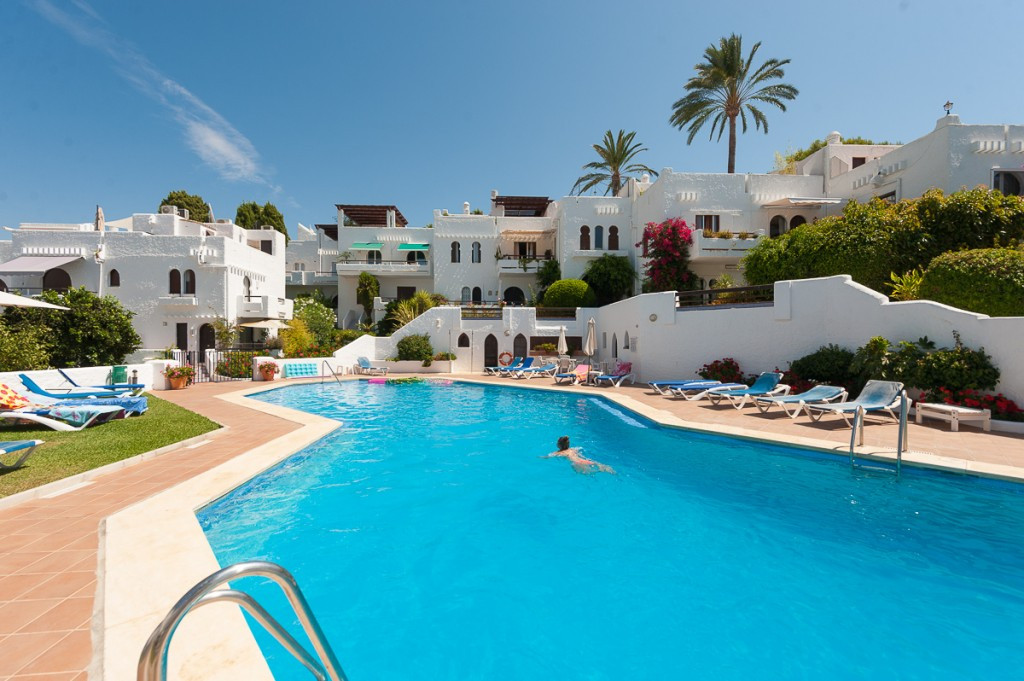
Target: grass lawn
66 454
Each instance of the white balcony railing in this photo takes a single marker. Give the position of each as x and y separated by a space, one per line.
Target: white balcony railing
717 247
264 307
385 267
178 300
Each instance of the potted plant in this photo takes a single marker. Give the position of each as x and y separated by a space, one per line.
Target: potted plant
268 370
179 376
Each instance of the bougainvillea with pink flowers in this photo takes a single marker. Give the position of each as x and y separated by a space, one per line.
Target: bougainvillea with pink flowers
667 245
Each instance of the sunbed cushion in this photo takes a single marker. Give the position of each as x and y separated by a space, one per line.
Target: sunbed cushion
623 368
10 399
296 369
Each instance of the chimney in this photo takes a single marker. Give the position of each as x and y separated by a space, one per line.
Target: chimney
390 219
465 207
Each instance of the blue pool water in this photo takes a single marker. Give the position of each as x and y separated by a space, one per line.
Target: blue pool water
433 543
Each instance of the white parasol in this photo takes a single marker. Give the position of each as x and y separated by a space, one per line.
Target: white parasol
11 300
563 346
590 344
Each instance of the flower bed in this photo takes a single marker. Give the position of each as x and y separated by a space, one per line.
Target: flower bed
1002 408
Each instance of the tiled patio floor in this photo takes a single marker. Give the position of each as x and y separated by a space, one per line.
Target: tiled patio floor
48 547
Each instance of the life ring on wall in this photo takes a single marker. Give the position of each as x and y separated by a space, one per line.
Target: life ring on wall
505 358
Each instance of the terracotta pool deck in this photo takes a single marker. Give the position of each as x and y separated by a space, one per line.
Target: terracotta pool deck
50 546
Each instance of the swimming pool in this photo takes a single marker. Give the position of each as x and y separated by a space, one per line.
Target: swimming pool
432 542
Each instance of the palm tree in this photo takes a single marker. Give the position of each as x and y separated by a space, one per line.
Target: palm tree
616 153
725 88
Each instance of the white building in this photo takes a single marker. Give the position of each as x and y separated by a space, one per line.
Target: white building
175 274
478 258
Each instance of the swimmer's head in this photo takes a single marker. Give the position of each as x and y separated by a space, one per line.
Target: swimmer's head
563 443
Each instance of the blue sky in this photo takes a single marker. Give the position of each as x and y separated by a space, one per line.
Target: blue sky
427 105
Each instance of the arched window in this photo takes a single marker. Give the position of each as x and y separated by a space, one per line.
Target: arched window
615 346
599 238
464 340
476 251
584 238
190 282
796 221
613 238
175 287
373 258
456 251
777 226
246 287
478 295
56 280
625 340
466 294
519 348
514 295
115 279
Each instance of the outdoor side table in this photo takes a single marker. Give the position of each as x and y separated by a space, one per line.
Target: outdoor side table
954 414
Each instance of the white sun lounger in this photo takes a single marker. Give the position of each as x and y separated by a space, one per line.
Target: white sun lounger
26 447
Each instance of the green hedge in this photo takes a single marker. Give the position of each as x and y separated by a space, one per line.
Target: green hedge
870 241
570 293
987 280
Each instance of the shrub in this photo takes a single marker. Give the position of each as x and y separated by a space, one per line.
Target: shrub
416 347
610 277
236 364
296 339
877 359
545 348
958 368
182 371
906 286
23 348
343 337
726 370
445 357
319 319
1002 407
411 308
989 281
570 293
367 288
828 364
667 247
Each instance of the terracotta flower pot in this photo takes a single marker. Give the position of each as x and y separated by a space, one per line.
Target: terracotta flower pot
177 383
268 375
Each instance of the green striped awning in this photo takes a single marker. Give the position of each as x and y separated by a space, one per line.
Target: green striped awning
365 247
414 247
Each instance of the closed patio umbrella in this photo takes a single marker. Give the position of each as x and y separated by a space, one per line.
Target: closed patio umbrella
11 300
563 346
590 344
267 324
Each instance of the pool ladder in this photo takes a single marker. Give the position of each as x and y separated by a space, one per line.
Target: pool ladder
857 436
323 375
324 667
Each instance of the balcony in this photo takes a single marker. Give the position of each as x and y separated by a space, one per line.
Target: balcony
309 278
526 264
264 307
179 300
596 253
723 248
384 267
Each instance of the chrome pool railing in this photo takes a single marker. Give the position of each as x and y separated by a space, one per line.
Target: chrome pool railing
857 434
323 375
324 667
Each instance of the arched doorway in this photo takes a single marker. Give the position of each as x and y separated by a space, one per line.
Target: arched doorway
514 295
478 297
615 346
490 351
796 221
613 238
777 226
3 285
584 238
56 280
246 287
207 339
519 347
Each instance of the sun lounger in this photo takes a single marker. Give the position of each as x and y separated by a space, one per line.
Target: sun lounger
766 385
26 447
514 364
546 370
819 394
509 371
574 377
623 372
122 388
363 366
66 418
665 387
699 393
60 393
876 396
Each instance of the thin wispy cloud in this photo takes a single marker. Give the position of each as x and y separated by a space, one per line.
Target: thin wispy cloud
213 139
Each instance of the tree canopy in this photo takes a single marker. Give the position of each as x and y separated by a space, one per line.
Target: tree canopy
725 88
616 154
252 215
198 209
610 277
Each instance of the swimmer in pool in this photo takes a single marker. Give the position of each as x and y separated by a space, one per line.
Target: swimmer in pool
580 463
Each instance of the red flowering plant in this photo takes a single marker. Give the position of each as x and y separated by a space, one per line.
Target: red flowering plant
666 245
726 370
1002 407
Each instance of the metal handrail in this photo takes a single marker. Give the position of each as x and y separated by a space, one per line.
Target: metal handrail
153 660
334 373
857 435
